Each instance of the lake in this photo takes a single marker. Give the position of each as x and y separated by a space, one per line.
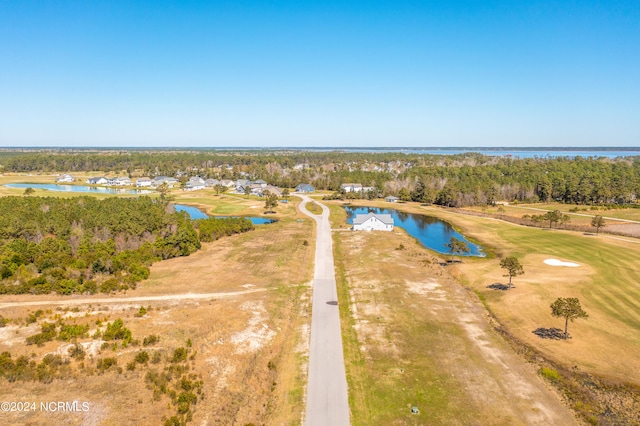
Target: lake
196 213
78 188
430 231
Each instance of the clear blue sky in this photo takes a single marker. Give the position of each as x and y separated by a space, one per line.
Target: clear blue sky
320 73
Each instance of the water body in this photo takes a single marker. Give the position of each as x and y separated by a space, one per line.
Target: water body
196 213
430 231
499 152
78 188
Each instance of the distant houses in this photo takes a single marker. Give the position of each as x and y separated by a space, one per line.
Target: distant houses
373 222
351 187
356 187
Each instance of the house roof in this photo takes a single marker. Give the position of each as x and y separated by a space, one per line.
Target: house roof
362 218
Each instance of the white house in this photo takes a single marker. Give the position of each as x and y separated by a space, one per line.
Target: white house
351 187
143 181
98 181
65 178
195 183
120 181
373 222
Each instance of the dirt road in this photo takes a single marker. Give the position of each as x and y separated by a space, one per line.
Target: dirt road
91 300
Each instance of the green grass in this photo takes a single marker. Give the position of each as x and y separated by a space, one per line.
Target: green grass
614 288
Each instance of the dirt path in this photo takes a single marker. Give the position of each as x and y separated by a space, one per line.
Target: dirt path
90 300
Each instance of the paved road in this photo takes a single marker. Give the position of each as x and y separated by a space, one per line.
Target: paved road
327 400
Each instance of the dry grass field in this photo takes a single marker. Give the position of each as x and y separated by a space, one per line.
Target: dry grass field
248 349
414 337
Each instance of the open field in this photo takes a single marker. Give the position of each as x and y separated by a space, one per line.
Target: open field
604 345
413 336
606 283
256 339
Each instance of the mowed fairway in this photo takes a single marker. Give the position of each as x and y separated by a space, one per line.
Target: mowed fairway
414 337
607 282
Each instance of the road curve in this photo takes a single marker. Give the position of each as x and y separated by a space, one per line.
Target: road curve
327 400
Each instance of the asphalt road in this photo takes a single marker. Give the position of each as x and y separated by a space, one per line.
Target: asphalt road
327 400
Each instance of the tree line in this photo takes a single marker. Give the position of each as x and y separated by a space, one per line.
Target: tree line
450 180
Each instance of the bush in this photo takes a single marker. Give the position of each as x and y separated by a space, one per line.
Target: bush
150 340
68 332
117 331
142 357
104 364
48 334
179 355
550 374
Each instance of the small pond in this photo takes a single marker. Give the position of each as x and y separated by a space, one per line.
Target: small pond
196 213
78 188
430 231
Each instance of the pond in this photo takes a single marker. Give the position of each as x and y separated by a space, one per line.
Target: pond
78 188
196 213
430 231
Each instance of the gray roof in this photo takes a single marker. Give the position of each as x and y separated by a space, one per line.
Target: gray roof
362 218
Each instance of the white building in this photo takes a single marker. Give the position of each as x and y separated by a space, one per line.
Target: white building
352 187
143 181
195 183
65 178
373 222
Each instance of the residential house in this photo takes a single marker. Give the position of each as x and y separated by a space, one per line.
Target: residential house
305 187
210 183
194 183
391 199
65 178
159 180
98 181
143 182
351 187
373 222
120 181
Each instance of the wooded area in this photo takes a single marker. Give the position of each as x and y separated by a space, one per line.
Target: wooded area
86 245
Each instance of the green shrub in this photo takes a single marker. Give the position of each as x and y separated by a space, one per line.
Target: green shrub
550 374
48 334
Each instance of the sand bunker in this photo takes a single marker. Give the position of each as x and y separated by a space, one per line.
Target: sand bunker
556 262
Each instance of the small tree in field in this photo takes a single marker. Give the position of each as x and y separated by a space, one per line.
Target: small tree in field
568 308
271 201
457 247
28 191
513 267
597 222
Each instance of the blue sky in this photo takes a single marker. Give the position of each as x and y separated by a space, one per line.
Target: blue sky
320 73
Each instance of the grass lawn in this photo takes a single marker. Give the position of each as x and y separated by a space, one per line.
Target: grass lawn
606 282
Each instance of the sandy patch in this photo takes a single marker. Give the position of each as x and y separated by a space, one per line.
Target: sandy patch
257 334
556 262
430 288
